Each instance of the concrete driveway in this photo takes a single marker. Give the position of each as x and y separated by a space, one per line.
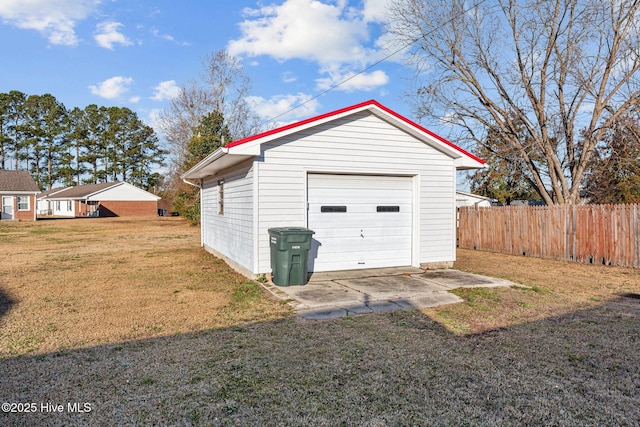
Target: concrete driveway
343 293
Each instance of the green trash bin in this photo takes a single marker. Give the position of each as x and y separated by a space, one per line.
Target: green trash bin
289 254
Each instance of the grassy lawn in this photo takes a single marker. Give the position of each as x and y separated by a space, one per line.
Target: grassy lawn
136 320
83 282
550 288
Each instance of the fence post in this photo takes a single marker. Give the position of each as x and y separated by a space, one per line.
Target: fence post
636 249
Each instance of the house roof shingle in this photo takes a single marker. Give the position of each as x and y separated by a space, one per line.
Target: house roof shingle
50 192
17 181
82 190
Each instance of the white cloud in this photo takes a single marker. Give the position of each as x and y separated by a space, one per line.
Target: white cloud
134 99
353 82
280 106
330 33
289 77
107 35
165 90
154 119
306 29
449 119
156 33
168 37
54 19
376 10
112 88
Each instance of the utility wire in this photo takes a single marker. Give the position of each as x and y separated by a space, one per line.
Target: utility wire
367 68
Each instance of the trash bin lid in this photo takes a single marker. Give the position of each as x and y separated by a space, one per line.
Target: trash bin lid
286 231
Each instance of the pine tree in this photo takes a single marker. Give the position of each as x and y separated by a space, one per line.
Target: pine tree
45 128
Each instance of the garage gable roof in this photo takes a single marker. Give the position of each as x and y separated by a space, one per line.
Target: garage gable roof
250 146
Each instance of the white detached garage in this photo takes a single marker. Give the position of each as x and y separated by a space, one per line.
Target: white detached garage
377 189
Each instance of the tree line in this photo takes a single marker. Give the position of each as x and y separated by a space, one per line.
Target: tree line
61 146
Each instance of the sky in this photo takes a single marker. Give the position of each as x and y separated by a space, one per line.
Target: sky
137 53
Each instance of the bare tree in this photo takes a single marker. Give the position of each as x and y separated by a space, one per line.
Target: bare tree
222 88
566 69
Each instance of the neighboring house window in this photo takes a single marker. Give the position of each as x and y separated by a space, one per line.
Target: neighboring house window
58 205
69 206
221 197
23 203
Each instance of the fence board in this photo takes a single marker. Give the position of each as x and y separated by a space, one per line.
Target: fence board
594 234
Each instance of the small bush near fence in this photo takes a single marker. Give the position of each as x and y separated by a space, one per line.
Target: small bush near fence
595 234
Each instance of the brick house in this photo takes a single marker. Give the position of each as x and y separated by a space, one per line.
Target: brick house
110 199
18 193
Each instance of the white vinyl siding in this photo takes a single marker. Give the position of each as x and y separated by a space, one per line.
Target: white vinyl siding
231 233
62 208
358 144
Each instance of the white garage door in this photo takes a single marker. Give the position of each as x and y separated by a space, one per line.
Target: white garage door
360 221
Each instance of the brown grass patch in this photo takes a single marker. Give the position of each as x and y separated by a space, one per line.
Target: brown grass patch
577 365
72 283
549 288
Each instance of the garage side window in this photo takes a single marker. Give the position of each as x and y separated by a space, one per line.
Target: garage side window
221 197
23 203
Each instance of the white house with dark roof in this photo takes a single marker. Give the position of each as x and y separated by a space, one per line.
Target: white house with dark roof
377 189
108 199
464 198
18 196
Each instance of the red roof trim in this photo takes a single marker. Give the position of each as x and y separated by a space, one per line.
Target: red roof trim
296 124
345 110
427 131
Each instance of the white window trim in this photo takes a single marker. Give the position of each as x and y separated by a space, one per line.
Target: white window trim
221 196
28 203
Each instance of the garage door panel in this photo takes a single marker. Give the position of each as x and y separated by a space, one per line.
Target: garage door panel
364 222
334 195
371 232
397 193
362 236
338 261
367 207
348 181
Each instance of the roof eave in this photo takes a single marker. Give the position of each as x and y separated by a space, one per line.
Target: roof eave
467 163
5 192
215 162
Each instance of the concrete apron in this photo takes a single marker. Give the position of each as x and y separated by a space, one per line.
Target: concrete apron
343 293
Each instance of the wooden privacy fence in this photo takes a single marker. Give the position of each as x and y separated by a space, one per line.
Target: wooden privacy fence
592 234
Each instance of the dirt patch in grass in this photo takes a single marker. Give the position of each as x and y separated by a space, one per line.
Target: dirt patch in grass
71 283
545 288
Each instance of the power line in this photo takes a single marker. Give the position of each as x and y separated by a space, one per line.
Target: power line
367 68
